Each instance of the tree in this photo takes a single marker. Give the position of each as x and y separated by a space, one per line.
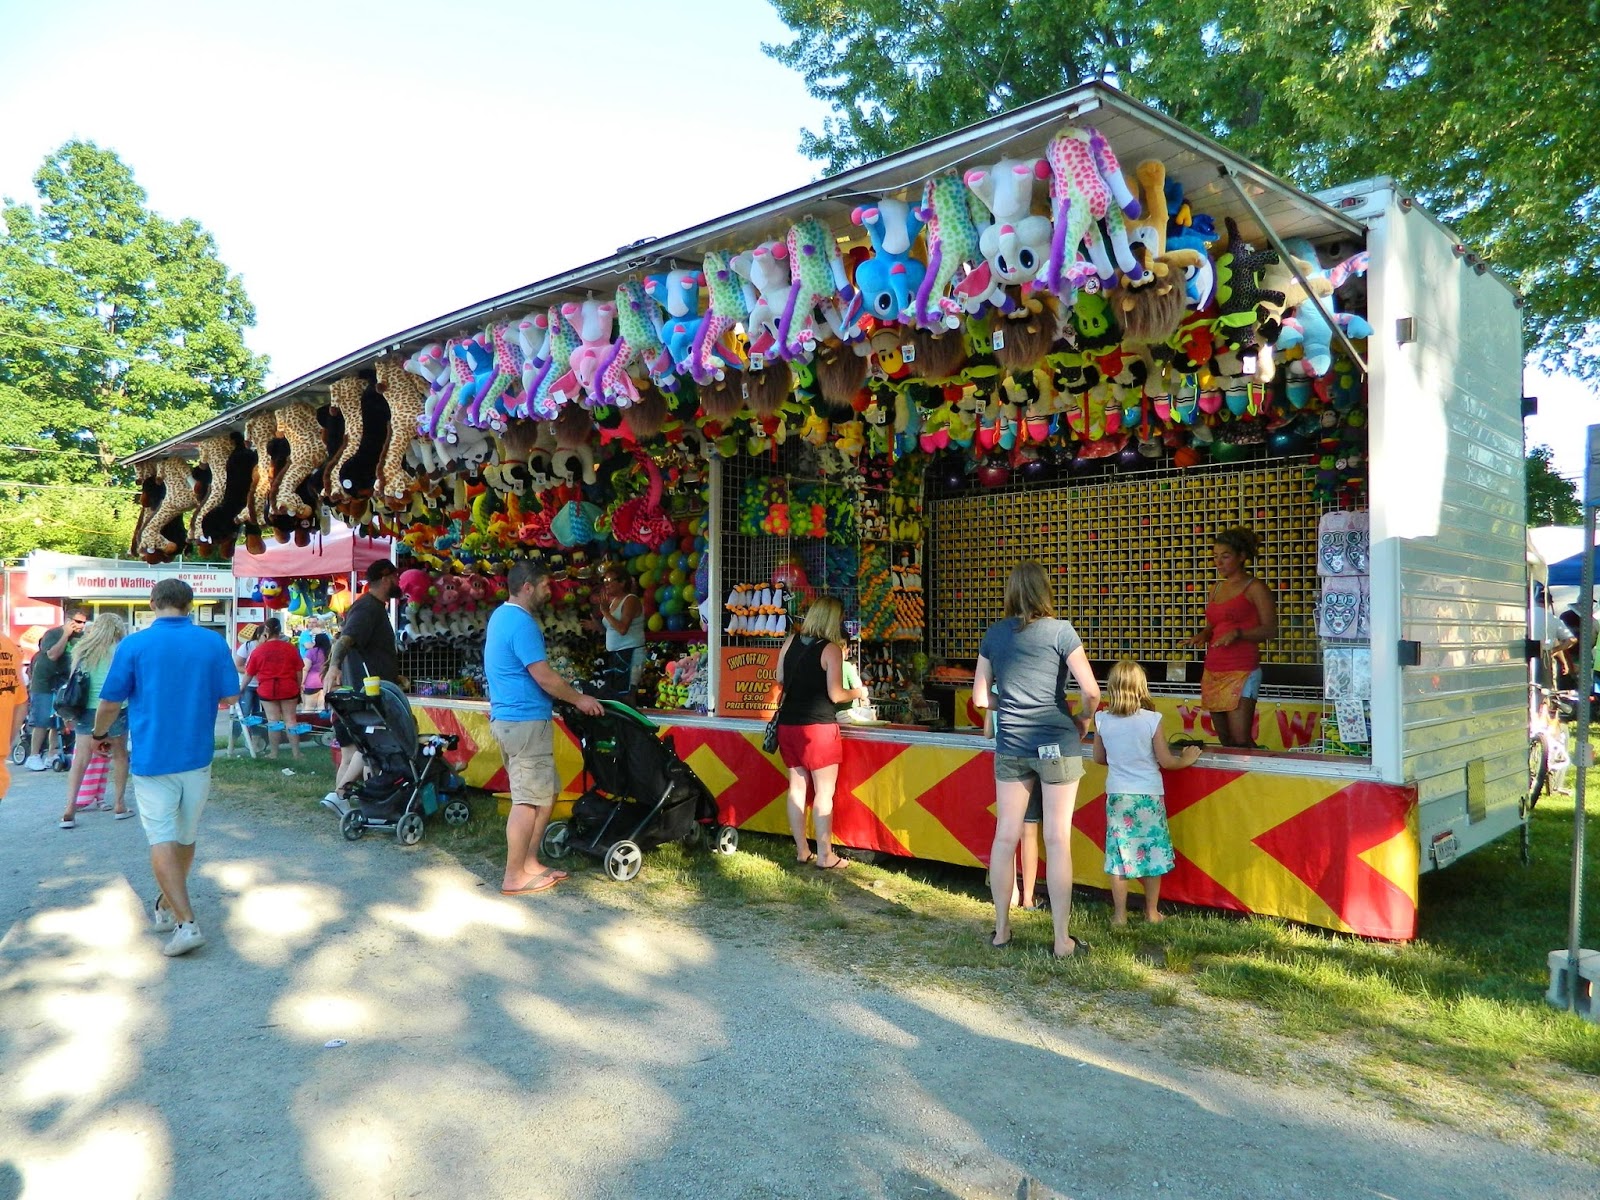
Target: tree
118 328
1480 112
1552 500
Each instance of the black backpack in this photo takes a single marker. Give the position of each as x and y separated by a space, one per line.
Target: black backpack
72 697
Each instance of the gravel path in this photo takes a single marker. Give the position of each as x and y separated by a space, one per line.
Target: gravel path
551 1046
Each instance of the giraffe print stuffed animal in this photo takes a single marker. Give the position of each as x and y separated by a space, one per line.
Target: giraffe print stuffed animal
730 304
1085 179
407 397
562 341
952 242
210 476
162 534
820 289
344 395
297 425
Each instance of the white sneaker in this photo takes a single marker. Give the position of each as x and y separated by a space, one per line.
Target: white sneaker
185 938
35 762
162 921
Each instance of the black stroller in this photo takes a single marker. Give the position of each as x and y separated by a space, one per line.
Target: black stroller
638 794
409 776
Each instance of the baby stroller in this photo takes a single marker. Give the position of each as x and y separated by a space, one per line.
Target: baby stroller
409 777
639 794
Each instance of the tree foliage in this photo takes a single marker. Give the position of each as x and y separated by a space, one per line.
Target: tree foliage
1552 500
1479 109
118 328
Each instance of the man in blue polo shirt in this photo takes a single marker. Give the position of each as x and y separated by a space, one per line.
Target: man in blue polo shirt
173 676
521 688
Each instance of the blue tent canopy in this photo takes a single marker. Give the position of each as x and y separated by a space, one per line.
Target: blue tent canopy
1569 571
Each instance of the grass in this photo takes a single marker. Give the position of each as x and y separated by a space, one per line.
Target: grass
1451 1027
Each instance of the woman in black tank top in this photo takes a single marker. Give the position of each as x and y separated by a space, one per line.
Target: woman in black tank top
810 670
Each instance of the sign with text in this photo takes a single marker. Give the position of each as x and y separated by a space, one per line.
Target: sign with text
747 682
124 581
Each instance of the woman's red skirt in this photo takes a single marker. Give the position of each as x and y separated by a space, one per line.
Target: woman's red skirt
810 747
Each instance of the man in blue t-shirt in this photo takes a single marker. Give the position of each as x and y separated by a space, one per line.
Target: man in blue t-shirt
521 689
173 676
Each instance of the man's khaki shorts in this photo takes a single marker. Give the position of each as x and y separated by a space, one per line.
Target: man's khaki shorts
530 753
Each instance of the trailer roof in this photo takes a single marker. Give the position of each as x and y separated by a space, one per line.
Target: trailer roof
1134 130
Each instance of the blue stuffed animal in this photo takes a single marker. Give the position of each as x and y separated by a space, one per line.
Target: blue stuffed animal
678 295
1308 329
888 281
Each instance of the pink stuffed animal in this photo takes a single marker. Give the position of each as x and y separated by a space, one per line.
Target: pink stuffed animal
414 584
592 321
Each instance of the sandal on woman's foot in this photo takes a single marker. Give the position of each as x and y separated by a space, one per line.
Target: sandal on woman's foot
800 862
123 815
839 860
69 823
994 945
1080 949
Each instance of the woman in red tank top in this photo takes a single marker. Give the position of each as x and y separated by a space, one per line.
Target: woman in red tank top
1240 615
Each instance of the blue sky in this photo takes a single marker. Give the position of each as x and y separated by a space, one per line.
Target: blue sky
367 166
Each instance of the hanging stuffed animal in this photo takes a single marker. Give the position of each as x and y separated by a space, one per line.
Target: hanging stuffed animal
888 281
1085 179
1015 244
162 534
501 397
677 293
428 365
406 396
478 352
730 300
1152 306
638 349
952 243
592 321
766 268
221 490
821 295
562 340
297 425
1239 290
1309 329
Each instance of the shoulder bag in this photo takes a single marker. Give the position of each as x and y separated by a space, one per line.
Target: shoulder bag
72 697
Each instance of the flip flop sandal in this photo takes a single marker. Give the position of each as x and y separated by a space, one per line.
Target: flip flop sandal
124 814
1005 945
839 863
542 883
1080 949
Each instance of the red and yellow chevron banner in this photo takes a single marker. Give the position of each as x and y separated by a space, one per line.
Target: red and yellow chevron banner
1333 853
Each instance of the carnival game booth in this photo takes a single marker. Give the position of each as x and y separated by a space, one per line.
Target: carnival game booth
1077 333
320 577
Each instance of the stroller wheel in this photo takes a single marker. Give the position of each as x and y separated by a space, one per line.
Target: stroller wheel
724 839
19 749
353 825
457 813
408 830
325 739
623 861
557 840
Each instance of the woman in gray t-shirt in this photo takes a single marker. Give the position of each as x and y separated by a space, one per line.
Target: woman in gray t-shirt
1023 666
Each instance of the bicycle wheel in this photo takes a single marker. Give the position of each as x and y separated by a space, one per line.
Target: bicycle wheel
1538 770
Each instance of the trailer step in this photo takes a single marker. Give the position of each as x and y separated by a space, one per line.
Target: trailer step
1588 976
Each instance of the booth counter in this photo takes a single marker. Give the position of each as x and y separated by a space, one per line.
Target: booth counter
1304 837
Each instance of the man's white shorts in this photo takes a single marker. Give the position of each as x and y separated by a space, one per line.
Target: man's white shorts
170 805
